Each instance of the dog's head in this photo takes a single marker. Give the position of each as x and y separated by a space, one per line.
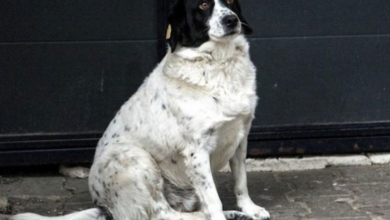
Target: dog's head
194 22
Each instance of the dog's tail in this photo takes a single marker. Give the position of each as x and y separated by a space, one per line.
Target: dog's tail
90 214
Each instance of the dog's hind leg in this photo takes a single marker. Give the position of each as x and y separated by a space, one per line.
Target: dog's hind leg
127 182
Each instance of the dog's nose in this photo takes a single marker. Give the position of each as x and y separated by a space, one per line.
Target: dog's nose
230 21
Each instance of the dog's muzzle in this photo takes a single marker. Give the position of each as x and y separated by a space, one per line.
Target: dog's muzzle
230 22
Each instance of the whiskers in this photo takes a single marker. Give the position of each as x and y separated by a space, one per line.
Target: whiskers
204 30
243 23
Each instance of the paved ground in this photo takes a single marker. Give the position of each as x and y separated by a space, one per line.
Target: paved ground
339 193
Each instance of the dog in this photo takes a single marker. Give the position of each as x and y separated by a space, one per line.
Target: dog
189 118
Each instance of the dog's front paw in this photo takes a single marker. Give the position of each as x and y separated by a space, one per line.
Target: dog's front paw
235 215
256 212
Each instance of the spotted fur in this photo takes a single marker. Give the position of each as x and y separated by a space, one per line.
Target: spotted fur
189 118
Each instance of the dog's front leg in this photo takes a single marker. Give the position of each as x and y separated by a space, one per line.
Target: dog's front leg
199 173
244 202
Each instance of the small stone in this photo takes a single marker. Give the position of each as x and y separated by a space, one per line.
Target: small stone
5 207
4 217
74 172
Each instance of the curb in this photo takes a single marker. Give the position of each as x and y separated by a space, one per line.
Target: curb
312 163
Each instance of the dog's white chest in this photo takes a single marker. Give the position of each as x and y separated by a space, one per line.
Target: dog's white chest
229 137
219 96
226 107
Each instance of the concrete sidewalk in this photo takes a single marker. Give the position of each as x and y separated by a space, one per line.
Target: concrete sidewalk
358 193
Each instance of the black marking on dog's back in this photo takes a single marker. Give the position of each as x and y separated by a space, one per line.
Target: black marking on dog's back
104 212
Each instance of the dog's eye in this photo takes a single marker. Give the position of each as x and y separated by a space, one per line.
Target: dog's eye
229 2
204 6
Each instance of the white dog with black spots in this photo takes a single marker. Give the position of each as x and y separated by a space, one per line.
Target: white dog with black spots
189 118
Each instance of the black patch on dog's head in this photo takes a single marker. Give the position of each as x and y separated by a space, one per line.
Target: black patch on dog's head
188 22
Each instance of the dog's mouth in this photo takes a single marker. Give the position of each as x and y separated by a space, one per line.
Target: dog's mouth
230 33
227 35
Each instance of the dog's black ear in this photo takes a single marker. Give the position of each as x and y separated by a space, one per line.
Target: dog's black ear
246 27
176 18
